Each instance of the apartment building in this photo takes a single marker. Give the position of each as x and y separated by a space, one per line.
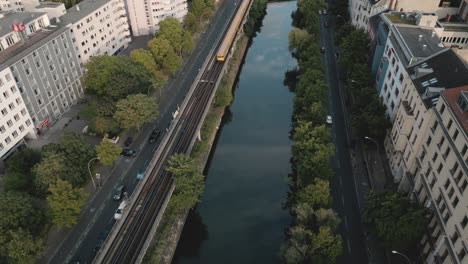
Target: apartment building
362 10
145 15
41 60
440 181
98 27
18 5
406 45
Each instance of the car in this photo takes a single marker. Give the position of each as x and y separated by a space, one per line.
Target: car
140 174
101 238
322 49
329 120
119 212
120 193
324 11
128 141
326 24
154 136
320 11
128 153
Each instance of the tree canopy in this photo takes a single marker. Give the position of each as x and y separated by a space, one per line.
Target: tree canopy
164 54
108 152
19 176
135 110
65 203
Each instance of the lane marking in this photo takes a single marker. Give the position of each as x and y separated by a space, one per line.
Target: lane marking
346 222
342 199
341 180
349 247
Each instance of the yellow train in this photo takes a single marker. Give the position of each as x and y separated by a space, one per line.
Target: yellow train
232 31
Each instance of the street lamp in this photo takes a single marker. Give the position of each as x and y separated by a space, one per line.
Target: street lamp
369 138
398 253
356 82
89 169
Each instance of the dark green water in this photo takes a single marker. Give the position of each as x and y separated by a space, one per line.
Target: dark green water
241 217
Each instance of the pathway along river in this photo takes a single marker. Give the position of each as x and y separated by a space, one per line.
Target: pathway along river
241 218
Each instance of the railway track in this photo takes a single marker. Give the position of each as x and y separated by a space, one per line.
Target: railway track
131 237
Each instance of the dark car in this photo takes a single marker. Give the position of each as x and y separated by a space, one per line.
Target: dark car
102 237
154 135
120 193
128 141
326 23
322 49
128 153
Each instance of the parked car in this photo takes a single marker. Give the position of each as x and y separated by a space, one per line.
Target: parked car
154 136
324 11
128 141
120 193
326 24
329 120
140 174
119 212
322 49
101 238
128 153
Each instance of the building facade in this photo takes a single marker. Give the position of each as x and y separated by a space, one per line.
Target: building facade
42 62
98 27
145 15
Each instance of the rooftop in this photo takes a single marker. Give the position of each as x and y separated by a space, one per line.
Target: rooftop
48 4
460 27
14 18
85 8
451 96
437 73
397 18
19 50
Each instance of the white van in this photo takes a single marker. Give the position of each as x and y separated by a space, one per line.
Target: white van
119 212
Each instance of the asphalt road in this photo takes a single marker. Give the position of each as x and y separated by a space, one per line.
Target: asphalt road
342 185
97 220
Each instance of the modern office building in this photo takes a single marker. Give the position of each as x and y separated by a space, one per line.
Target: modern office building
41 60
98 27
145 15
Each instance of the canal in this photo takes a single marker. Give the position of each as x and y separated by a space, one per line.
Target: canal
241 218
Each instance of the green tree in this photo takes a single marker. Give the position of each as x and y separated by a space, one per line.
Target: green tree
326 246
135 110
65 203
51 168
187 44
18 211
189 181
76 154
107 152
145 58
223 96
316 194
191 22
298 39
171 29
164 54
327 217
22 247
398 221
355 47
305 214
198 6
19 176
256 14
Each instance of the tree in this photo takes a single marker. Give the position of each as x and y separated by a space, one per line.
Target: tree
191 22
187 44
298 39
355 47
145 58
135 110
76 154
296 250
325 245
164 54
171 29
47 172
22 248
18 170
189 181
198 6
223 96
304 213
18 211
327 217
65 203
107 152
316 194
399 222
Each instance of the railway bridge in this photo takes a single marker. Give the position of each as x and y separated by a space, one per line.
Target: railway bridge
131 235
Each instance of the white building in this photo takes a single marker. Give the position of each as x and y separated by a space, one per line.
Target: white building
41 61
15 121
361 10
98 27
18 5
145 15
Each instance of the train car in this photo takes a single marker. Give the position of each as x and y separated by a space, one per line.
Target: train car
232 31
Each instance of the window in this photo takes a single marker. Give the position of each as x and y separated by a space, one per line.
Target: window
434 126
446 153
18 100
28 122
16 117
449 124
447 184
442 109
8 77
5 94
455 168
39 101
455 202
451 192
434 158
428 142
455 135
11 106
2 129
464 150
439 168
464 221
21 128
7 140
14 134
4 111
23 111
401 77
441 142
461 254
9 123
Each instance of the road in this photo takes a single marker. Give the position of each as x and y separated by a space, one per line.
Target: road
97 219
342 185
